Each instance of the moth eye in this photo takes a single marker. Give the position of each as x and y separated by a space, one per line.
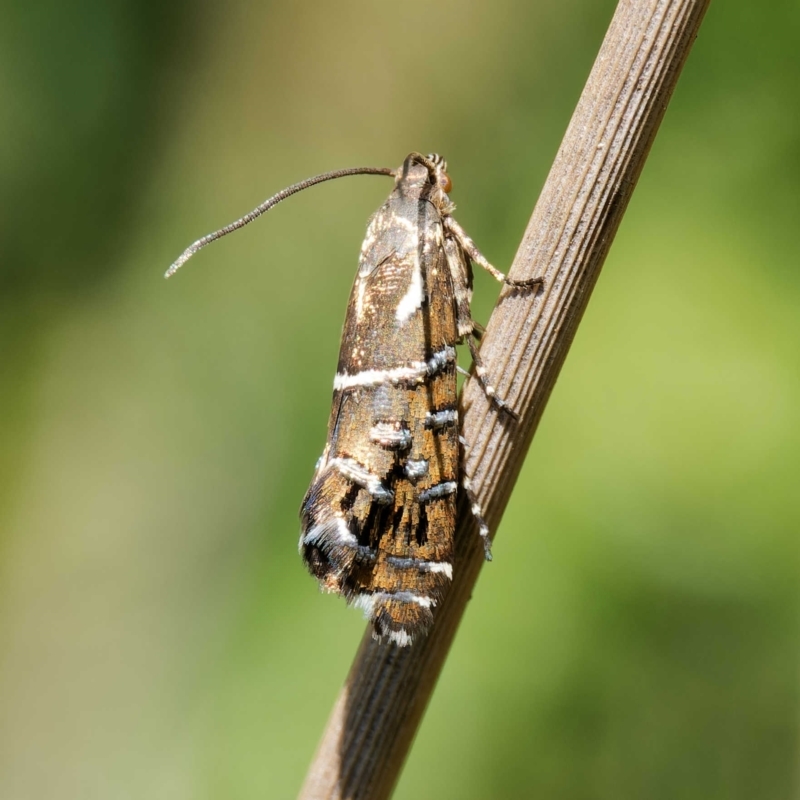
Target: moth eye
445 183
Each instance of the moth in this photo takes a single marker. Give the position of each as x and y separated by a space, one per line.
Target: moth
378 520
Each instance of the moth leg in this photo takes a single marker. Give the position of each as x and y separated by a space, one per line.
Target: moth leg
477 512
472 251
483 377
478 330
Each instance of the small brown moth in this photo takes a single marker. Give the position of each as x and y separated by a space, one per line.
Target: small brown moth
379 517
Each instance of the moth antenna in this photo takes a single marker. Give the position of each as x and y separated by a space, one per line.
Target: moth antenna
267 205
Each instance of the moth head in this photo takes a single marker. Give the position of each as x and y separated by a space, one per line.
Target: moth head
418 169
439 172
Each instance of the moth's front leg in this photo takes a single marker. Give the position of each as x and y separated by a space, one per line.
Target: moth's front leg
472 251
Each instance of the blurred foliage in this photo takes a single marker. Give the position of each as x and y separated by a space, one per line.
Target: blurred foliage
636 633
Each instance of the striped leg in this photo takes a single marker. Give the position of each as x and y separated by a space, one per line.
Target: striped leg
477 512
483 376
472 251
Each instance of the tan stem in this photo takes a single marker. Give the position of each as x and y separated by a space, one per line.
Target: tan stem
600 159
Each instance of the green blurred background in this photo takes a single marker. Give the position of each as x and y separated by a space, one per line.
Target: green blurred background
636 634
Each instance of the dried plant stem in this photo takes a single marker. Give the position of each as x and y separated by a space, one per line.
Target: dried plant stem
380 707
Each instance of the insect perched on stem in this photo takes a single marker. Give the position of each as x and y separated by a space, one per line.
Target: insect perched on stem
379 518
